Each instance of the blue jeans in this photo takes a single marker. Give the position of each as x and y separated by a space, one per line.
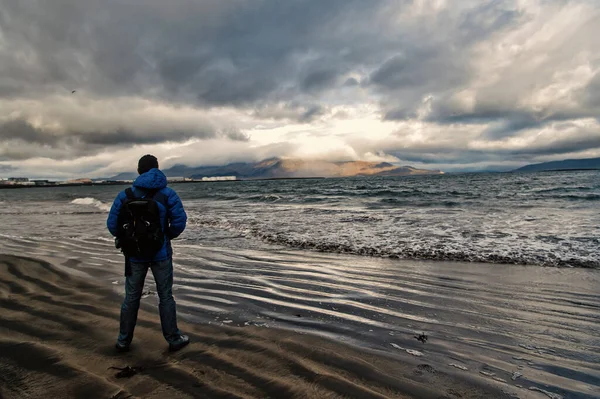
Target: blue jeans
134 285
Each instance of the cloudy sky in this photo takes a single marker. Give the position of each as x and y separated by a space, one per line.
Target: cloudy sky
452 85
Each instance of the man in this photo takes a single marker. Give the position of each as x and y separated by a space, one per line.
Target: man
151 184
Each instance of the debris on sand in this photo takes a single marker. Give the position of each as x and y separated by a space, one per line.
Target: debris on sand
426 367
146 294
458 366
126 372
516 375
421 337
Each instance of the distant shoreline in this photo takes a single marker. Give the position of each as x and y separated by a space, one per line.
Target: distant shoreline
118 183
18 186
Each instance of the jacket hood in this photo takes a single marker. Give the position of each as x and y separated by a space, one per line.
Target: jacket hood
152 179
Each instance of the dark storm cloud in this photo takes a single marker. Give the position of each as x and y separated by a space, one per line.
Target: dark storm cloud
439 60
23 131
319 79
293 111
485 19
417 68
510 126
586 140
22 140
432 74
351 82
208 52
235 135
19 129
582 140
311 113
292 61
407 78
128 137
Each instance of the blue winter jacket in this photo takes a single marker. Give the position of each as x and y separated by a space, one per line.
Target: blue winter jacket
173 214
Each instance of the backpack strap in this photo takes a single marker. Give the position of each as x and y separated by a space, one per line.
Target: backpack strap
156 195
129 194
163 199
160 197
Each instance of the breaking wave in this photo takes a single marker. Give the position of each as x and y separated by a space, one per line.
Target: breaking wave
491 247
88 201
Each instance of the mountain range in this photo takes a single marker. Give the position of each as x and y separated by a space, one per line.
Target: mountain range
278 168
567 164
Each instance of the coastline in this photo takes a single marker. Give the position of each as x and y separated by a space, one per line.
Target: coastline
57 332
128 183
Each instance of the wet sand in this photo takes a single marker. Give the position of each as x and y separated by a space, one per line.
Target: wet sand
57 333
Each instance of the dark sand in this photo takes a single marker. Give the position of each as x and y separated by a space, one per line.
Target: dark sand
57 334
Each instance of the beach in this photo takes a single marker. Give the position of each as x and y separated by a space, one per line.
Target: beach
503 283
57 334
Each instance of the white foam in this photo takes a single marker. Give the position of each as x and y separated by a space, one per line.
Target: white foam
91 202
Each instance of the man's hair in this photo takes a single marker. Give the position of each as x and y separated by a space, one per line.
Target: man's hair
146 163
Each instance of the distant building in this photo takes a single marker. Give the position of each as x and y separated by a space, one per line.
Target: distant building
219 178
41 182
175 179
18 179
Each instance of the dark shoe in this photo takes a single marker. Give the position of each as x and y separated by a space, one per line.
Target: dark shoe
182 341
121 347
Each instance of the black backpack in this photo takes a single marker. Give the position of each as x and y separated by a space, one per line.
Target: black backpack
140 232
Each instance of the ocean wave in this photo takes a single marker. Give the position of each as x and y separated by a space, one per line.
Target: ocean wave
368 238
563 189
420 203
89 201
45 212
588 197
266 198
298 198
431 252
